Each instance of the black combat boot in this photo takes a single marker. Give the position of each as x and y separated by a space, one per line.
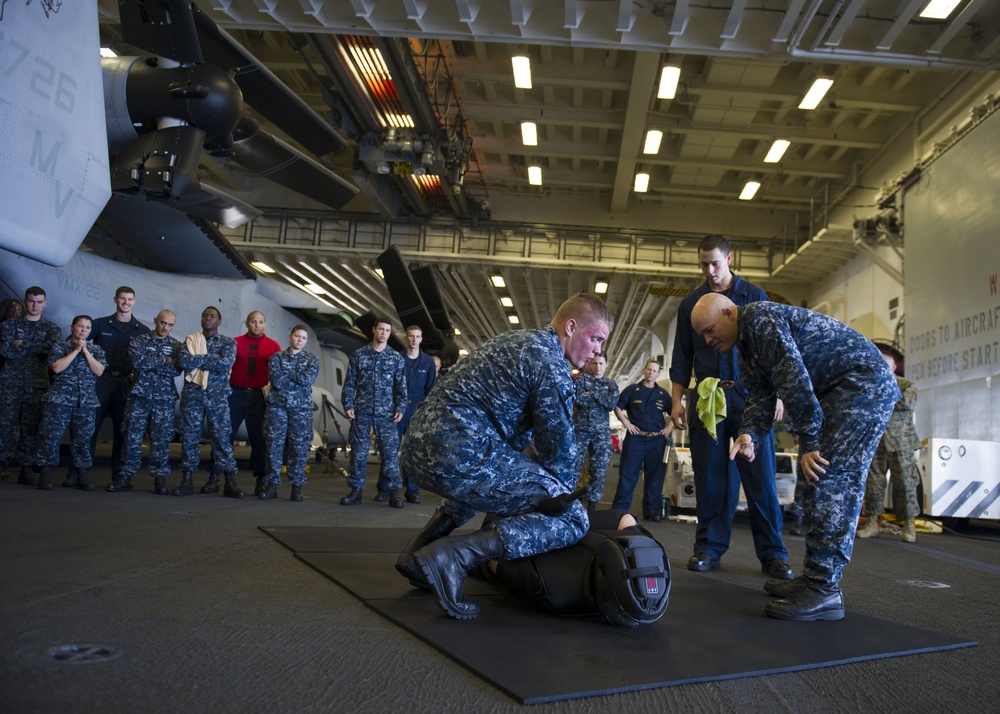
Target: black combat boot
816 601
212 485
352 499
122 483
796 528
232 490
26 477
186 488
785 588
296 494
259 485
70 480
269 491
45 480
160 486
440 525
83 481
445 564
394 500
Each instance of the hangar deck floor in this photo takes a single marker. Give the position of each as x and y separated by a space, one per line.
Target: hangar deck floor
197 610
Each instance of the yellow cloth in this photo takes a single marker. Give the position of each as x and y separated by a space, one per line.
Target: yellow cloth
197 345
711 405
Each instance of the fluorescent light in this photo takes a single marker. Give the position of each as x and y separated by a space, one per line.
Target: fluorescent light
535 175
653 139
529 133
750 190
514 319
314 289
498 281
777 150
262 266
816 93
378 272
463 353
522 71
457 332
939 9
108 52
601 287
506 302
668 82
641 182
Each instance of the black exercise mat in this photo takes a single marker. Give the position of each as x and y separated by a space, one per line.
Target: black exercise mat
711 630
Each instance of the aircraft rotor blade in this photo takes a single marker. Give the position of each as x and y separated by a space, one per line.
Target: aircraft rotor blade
162 27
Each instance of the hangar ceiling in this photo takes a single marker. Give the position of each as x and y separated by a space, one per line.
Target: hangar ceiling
446 90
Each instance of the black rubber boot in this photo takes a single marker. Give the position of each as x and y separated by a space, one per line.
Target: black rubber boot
437 527
122 483
296 494
45 480
26 477
160 486
813 602
352 499
83 481
212 485
232 490
445 564
186 488
269 491
394 500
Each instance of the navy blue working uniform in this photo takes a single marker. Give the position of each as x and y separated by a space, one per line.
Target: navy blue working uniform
466 441
70 401
113 336
595 399
421 376
375 389
24 380
151 404
289 414
839 394
211 403
717 479
648 408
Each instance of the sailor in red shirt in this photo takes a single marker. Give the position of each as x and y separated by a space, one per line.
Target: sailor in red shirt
247 379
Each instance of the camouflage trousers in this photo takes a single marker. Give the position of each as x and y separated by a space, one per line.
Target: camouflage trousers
20 415
497 479
55 420
596 445
387 438
288 433
832 505
904 478
156 417
195 407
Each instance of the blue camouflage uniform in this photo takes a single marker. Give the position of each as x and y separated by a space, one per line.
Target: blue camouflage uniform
71 400
113 336
375 389
213 403
23 381
151 403
595 399
839 394
717 479
421 376
288 419
466 439
645 407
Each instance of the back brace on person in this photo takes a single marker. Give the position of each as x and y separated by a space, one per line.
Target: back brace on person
622 574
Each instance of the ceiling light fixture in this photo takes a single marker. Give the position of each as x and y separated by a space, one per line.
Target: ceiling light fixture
535 175
750 190
939 9
601 287
522 71
641 182
498 281
777 150
379 273
108 52
506 301
653 139
463 353
457 332
514 319
262 267
669 77
816 93
529 133
314 288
